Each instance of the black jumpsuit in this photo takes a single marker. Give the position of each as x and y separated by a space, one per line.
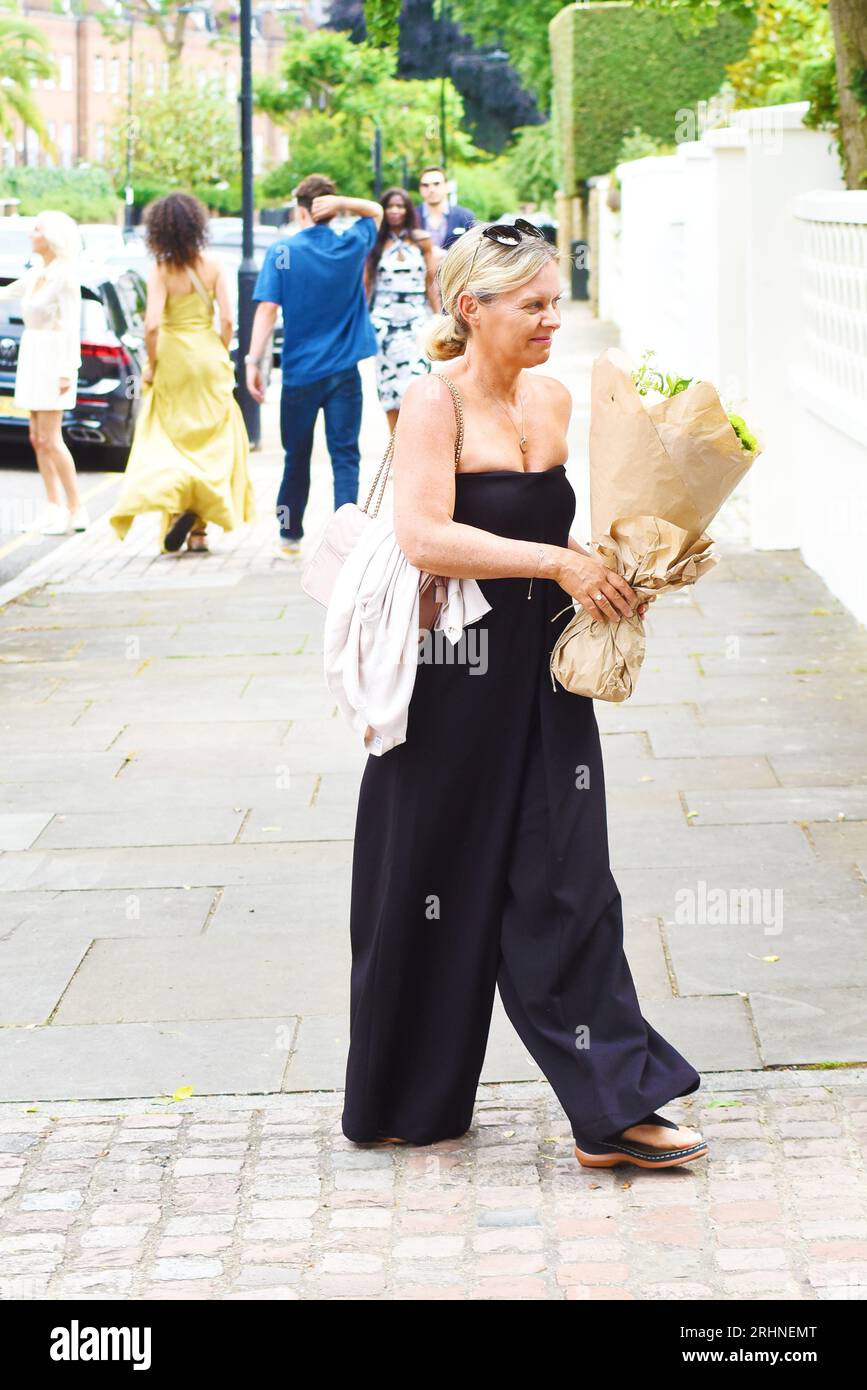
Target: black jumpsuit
481 858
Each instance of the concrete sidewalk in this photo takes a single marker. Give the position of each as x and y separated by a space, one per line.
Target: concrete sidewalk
178 805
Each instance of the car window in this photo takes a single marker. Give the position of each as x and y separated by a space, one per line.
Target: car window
94 320
132 296
15 243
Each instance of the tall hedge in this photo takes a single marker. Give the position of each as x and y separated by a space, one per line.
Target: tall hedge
615 68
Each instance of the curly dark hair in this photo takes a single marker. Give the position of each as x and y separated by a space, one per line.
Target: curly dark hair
176 228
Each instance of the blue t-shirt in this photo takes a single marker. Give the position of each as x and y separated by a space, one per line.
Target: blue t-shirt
316 278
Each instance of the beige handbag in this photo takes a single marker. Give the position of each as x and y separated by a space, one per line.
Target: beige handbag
349 521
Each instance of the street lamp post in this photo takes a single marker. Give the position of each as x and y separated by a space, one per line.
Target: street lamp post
128 194
376 160
247 272
444 30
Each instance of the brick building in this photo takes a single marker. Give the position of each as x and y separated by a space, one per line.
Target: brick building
88 94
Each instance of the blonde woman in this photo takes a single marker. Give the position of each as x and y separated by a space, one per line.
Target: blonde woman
481 847
49 356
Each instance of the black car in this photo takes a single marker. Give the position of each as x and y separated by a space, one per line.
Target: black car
112 356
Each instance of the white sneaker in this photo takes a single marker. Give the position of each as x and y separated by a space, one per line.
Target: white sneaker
289 548
55 521
80 519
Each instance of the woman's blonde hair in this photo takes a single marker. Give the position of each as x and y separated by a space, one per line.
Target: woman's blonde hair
496 269
62 234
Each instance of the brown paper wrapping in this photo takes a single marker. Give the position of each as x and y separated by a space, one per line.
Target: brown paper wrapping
658 477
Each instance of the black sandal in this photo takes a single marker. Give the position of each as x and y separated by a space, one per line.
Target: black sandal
178 531
605 1153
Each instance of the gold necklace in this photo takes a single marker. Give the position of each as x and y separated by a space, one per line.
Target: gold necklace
522 439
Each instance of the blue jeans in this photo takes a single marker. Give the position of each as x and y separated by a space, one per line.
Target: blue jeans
339 395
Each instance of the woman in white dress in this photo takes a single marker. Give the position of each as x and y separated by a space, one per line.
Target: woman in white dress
49 356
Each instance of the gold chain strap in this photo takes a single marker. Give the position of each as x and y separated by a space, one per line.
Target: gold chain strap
383 470
459 411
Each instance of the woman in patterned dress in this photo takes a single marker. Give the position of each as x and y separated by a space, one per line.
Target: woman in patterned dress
399 276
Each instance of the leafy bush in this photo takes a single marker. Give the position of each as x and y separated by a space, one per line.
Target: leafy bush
87 194
638 145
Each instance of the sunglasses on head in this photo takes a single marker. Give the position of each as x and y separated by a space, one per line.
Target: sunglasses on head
510 233
504 234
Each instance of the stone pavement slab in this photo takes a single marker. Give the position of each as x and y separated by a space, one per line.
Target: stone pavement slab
89 1061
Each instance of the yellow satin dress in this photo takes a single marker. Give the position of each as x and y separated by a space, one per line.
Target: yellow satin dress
190 450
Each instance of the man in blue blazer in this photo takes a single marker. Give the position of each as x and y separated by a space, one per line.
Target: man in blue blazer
445 224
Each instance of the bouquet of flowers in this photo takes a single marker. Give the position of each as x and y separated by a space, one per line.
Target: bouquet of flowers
664 456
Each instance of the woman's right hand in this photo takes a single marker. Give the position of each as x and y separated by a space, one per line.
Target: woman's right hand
585 576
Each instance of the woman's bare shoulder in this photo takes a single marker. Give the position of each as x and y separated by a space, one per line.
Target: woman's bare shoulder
558 393
425 390
427 414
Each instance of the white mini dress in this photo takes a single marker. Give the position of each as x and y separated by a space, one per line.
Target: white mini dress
50 346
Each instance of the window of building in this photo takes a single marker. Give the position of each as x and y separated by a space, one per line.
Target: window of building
66 72
164 77
114 75
99 74
66 145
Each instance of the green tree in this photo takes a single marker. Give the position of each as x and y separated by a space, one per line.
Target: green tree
330 96
24 54
182 139
848 24
531 164
487 188
522 30
790 38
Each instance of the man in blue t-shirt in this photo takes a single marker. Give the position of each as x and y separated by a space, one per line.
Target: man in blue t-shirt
315 277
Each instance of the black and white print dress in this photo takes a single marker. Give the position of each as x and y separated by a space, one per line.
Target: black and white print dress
399 312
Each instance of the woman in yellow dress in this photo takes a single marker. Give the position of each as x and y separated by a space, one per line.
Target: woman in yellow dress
189 456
